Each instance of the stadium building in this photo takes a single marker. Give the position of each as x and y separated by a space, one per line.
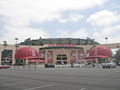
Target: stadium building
50 50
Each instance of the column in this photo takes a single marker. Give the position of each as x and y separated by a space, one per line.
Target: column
96 62
13 58
46 58
76 54
54 56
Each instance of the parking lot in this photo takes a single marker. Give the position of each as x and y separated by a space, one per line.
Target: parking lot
60 79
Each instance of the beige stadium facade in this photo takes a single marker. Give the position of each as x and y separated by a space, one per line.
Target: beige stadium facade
56 52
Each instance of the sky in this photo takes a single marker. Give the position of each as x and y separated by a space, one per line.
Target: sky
33 19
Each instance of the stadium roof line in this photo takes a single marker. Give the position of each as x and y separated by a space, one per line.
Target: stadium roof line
59 41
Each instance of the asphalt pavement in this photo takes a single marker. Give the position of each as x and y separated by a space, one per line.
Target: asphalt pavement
60 79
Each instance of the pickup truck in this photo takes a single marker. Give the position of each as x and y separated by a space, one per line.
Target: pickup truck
108 64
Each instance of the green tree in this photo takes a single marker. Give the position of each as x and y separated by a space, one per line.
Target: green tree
5 44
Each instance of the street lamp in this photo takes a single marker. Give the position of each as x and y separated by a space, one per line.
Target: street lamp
5 45
16 43
106 38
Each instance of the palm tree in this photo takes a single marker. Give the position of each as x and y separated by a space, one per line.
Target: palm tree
5 44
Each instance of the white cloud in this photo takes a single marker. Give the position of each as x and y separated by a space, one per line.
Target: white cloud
115 39
103 18
110 32
61 20
81 33
22 33
63 33
21 12
74 17
18 15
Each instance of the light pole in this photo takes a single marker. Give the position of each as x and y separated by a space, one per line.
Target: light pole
5 45
16 39
106 38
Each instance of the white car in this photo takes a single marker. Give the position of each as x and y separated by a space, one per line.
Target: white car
108 64
75 65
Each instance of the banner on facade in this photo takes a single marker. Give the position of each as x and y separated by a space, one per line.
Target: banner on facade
87 53
81 54
42 54
50 56
73 56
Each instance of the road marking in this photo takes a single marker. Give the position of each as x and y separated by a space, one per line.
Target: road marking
39 87
14 83
82 89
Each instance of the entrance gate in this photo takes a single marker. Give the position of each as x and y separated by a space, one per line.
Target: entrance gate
61 59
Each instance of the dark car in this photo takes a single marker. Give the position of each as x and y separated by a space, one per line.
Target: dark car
118 64
49 65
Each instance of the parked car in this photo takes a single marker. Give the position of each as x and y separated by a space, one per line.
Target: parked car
75 65
4 66
118 64
108 64
49 65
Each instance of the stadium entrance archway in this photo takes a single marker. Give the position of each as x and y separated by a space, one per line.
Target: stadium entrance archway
62 54
61 59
